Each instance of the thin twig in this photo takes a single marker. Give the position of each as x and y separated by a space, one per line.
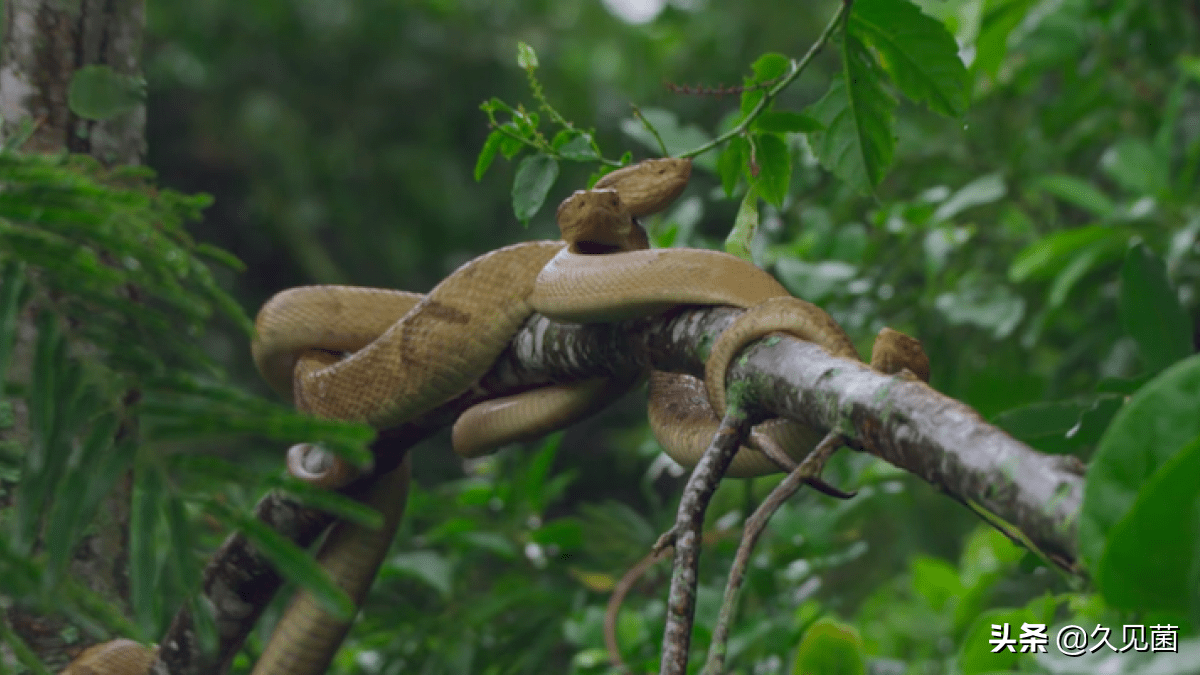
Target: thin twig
797 67
637 112
689 522
618 598
808 470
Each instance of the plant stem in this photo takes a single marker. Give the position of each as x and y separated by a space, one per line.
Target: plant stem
797 67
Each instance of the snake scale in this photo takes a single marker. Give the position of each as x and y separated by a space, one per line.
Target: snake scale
385 357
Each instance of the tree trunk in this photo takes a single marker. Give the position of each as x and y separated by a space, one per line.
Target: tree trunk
44 44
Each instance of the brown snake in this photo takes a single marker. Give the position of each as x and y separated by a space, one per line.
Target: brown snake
409 353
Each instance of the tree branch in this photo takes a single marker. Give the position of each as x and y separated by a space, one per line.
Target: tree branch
904 422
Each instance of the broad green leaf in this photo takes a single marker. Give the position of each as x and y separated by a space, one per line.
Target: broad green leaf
510 144
99 93
564 533
775 168
1047 256
487 153
830 648
815 281
1060 426
857 144
991 46
1150 310
936 580
992 307
730 163
1044 418
1134 164
576 145
786 122
769 66
1077 192
750 100
982 190
745 224
1084 261
917 51
427 566
1189 65
1157 422
1153 553
534 177
978 655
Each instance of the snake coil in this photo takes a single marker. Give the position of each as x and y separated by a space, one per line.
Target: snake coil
381 356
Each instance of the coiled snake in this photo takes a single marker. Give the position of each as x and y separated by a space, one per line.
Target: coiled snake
410 353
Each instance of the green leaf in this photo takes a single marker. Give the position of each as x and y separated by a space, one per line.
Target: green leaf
14 293
976 655
1136 165
427 566
510 146
857 144
745 224
730 163
1060 426
1150 310
488 153
830 648
775 168
993 307
917 51
534 177
677 137
574 144
991 46
99 93
814 280
1047 256
786 122
1077 192
982 190
750 99
526 58
1094 256
1157 422
494 104
535 485
143 536
74 502
768 67
182 535
1153 554
565 533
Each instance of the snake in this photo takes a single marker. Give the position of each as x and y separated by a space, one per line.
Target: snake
384 357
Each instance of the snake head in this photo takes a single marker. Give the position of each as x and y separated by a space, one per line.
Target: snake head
650 185
596 221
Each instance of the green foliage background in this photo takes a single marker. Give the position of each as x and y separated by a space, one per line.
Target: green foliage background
1042 244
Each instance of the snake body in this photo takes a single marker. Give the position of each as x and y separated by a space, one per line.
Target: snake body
409 353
